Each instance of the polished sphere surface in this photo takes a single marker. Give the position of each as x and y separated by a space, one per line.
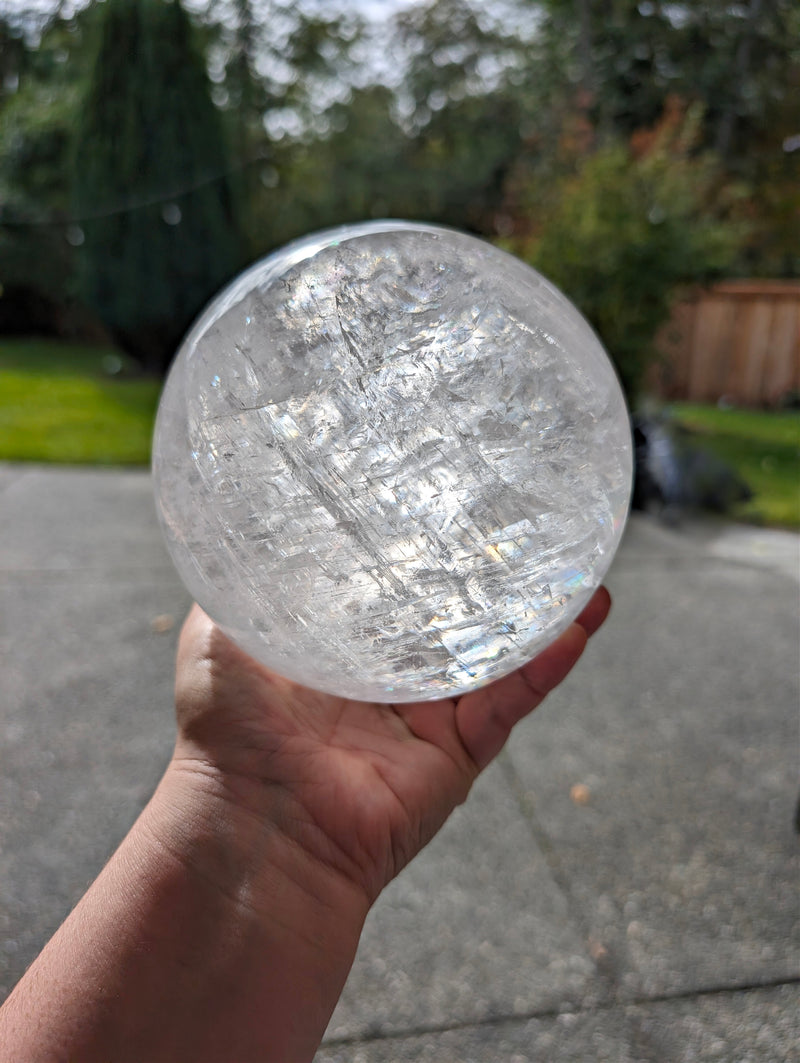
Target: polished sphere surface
392 462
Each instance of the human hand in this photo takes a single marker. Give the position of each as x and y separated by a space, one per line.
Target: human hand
227 921
359 787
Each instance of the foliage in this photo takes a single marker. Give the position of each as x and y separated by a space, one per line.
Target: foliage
37 114
630 57
151 182
634 223
454 50
463 101
359 170
59 404
611 70
439 144
763 448
265 119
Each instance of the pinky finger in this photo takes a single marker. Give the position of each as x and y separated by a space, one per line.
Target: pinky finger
485 718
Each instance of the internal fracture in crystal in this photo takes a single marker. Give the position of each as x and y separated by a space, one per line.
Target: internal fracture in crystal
392 462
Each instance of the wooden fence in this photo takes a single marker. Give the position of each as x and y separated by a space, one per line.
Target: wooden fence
739 340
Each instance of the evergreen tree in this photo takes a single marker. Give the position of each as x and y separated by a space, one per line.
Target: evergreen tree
39 92
151 184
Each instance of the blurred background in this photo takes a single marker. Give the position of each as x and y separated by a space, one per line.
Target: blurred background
644 156
622 885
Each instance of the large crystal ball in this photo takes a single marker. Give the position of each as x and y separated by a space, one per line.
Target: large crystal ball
392 462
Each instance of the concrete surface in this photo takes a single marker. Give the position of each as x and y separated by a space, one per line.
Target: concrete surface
622 884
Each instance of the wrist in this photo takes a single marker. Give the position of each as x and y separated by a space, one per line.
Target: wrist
246 848
209 936
230 942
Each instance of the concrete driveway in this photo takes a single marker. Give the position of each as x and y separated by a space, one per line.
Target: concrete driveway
622 884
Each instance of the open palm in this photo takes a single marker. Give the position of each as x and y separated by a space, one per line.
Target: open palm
361 786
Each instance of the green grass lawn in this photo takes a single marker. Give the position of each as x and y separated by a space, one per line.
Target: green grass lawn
763 447
65 403
68 403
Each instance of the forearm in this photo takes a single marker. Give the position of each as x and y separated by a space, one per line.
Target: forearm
207 937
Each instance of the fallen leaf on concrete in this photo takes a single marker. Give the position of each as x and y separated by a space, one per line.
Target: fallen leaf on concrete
597 950
580 794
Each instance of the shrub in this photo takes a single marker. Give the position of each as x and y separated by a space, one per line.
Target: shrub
635 223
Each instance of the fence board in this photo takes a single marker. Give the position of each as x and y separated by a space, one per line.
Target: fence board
738 340
760 318
781 374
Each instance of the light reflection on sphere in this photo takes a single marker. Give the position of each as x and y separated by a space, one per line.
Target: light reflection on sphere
392 462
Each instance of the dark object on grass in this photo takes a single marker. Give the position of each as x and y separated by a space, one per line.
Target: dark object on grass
673 475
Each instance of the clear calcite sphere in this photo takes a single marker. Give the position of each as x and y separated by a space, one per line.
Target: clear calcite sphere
392 462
